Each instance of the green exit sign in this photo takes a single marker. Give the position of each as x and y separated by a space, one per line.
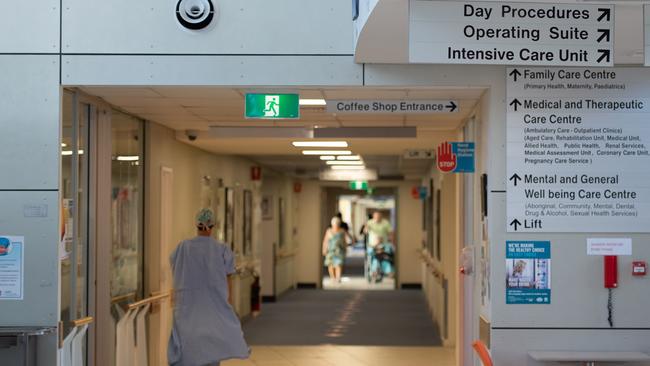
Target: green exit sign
359 185
272 106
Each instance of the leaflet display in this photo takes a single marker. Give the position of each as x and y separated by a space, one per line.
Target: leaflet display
505 33
578 150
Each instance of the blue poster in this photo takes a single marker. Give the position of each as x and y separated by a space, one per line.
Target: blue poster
11 267
464 152
528 272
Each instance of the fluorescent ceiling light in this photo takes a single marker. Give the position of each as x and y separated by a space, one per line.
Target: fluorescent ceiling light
328 157
338 162
312 102
69 152
63 144
320 144
327 152
349 157
348 167
128 158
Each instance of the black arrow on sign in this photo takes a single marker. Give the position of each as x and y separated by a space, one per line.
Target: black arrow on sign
603 34
605 13
604 55
514 73
452 106
515 103
516 178
515 223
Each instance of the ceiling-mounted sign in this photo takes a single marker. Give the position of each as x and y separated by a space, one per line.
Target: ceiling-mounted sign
505 33
419 154
392 106
272 106
578 148
358 185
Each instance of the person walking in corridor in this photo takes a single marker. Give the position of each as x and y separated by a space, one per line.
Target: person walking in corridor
206 329
334 247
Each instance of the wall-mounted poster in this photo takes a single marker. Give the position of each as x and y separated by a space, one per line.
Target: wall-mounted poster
229 217
12 264
267 208
528 272
248 222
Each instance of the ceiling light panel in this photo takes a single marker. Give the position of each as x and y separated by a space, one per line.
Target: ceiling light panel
338 162
349 157
328 157
312 102
327 152
320 144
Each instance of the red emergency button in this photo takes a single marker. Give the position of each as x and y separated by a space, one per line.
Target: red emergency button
639 268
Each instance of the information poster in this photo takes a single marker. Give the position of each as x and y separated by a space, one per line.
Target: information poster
11 267
578 150
528 272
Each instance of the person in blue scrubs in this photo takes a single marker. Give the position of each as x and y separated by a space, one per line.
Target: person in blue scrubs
206 329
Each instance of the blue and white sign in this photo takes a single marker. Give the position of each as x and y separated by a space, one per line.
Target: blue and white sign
11 267
528 272
465 156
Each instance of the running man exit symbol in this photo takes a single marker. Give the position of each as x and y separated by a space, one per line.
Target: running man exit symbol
272 104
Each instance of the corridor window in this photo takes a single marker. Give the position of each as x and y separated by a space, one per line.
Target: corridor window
126 205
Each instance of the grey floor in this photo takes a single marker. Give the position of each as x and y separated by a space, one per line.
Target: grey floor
371 318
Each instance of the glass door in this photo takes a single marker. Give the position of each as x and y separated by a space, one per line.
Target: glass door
77 121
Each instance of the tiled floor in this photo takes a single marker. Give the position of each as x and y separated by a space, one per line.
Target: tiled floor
358 283
328 355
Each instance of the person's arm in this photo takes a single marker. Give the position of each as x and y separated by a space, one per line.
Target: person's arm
325 242
230 290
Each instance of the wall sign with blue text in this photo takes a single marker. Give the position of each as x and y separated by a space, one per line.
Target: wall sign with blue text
528 272
456 157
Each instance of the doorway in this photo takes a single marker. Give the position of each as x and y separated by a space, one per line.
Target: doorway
369 261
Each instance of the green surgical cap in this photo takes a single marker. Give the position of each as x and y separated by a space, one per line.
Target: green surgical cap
205 217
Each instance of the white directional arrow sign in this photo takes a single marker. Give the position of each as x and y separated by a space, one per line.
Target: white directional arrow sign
509 33
392 106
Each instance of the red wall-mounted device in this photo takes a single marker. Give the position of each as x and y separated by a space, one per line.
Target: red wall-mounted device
611 271
639 268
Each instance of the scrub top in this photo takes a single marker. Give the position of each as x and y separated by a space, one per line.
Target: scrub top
378 232
206 329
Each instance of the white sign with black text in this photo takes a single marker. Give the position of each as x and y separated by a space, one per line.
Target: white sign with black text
392 106
578 150
510 33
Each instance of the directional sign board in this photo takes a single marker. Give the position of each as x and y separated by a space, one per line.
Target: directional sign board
646 25
392 106
578 150
505 33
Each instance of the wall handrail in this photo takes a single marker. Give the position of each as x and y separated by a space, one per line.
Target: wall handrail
118 299
82 321
150 300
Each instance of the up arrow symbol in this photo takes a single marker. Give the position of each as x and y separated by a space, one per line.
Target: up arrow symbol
515 73
515 178
605 13
515 223
603 34
515 104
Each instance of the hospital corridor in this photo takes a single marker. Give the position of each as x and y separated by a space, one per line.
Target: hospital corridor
324 183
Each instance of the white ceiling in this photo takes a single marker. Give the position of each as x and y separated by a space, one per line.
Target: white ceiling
199 108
